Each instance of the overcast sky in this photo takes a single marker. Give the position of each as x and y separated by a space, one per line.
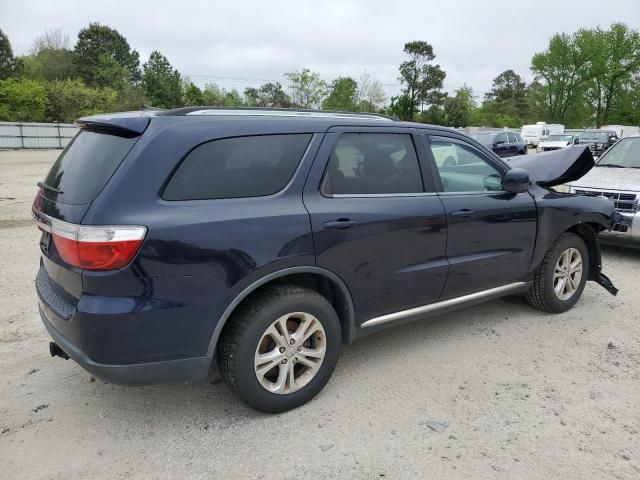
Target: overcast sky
245 43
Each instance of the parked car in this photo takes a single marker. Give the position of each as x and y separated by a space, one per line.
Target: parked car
505 144
539 132
265 239
617 177
598 140
556 142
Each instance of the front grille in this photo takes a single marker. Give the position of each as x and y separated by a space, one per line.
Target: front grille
625 202
548 149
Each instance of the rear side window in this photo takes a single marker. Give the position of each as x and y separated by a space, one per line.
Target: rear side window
373 163
237 167
86 165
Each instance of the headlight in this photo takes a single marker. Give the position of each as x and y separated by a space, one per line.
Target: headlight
538 149
564 188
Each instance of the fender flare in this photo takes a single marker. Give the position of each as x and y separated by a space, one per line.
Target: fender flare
224 318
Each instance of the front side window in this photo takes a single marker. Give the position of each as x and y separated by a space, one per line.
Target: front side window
372 163
462 169
237 167
512 138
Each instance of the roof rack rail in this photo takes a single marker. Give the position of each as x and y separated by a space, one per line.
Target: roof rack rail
266 111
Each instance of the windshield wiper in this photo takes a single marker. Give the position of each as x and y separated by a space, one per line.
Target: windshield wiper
49 188
611 165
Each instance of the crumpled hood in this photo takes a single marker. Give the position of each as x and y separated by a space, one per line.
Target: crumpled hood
556 167
604 178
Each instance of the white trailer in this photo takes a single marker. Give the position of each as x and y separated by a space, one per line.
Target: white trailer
534 134
622 130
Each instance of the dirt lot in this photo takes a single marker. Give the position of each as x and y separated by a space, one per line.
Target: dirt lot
525 395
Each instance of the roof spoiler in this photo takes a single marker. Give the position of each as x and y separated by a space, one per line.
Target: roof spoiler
127 124
556 167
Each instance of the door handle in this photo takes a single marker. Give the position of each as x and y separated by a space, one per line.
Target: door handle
464 213
340 224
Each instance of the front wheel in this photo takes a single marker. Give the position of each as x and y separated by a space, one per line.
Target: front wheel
281 348
560 280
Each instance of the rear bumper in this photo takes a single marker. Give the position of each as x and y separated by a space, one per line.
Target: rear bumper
126 347
189 370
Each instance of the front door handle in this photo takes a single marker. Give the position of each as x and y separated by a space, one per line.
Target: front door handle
464 213
340 224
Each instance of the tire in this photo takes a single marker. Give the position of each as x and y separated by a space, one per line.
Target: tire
255 330
543 293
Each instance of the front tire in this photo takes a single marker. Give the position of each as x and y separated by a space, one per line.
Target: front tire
560 280
280 348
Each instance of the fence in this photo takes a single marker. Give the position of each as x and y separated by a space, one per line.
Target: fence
36 135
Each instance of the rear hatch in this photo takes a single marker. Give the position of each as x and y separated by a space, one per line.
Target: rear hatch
76 178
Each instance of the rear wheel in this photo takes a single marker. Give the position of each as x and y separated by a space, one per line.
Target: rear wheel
281 348
560 280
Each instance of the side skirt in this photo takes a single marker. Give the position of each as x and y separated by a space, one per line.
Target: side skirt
447 305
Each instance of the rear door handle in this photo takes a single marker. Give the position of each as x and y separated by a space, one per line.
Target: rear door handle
340 224
464 213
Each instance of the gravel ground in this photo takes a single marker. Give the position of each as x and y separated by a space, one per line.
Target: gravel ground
524 394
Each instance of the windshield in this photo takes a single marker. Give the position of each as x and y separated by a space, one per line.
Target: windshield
625 153
484 138
594 136
559 138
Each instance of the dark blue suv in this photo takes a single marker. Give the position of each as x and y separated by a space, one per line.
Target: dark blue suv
268 238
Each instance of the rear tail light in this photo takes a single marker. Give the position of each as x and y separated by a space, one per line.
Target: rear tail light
93 247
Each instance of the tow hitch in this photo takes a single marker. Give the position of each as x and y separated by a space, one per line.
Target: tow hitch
603 280
56 351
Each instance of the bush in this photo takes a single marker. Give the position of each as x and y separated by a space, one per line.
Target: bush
22 101
71 99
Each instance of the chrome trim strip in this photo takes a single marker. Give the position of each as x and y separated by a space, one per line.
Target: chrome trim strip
380 195
432 307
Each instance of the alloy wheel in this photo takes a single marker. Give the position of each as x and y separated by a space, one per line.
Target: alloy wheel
290 352
567 274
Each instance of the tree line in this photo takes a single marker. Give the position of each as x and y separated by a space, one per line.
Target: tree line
587 78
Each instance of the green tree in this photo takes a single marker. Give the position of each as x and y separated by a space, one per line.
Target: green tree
458 108
192 95
50 57
22 100
508 96
70 99
422 81
343 95
268 95
101 48
615 57
49 64
562 71
161 82
308 90
7 60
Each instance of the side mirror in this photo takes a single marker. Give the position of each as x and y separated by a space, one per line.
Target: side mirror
516 180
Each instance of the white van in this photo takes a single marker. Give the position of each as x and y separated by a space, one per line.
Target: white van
534 134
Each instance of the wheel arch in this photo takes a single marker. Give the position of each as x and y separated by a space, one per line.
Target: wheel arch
324 281
588 232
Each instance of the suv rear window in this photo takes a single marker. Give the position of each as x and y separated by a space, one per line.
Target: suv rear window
86 165
237 167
